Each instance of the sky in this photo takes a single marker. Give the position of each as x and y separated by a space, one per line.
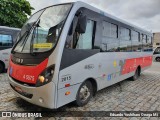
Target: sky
142 13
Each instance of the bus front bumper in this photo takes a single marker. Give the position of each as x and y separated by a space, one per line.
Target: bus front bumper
42 96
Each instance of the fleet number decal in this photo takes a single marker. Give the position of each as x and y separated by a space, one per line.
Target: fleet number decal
66 78
28 77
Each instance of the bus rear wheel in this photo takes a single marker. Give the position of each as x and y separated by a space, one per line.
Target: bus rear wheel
136 74
84 94
1 68
158 59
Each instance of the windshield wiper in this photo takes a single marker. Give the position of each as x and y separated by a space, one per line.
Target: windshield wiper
20 39
28 28
36 25
32 40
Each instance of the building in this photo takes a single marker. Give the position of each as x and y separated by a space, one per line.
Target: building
156 39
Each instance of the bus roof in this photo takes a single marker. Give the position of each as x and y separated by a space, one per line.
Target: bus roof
82 4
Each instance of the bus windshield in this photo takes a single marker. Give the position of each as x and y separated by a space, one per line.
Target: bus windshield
41 32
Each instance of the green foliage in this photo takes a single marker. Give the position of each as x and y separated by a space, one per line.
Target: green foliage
14 13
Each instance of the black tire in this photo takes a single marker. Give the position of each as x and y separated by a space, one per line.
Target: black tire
1 68
158 59
80 98
137 74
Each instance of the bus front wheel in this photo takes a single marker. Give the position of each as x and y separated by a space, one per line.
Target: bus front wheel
84 94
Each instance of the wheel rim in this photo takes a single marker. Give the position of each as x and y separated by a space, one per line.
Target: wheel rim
84 93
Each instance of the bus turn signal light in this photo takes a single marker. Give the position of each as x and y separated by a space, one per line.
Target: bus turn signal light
67 93
41 79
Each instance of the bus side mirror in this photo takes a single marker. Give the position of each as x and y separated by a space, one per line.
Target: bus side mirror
81 25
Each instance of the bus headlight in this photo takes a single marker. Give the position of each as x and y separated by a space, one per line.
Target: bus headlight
41 79
46 76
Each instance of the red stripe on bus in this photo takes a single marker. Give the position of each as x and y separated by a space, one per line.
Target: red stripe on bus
27 74
132 64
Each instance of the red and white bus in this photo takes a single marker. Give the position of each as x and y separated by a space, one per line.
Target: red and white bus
67 52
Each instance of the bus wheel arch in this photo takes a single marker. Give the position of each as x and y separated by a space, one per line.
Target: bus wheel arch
85 92
2 66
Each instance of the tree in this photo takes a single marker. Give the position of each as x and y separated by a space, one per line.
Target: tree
14 13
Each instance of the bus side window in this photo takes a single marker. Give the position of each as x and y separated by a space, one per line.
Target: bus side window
84 41
125 40
5 41
110 42
136 42
80 41
144 42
